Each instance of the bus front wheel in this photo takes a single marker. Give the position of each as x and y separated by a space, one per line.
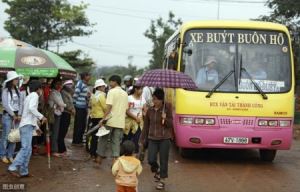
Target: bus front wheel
183 152
267 155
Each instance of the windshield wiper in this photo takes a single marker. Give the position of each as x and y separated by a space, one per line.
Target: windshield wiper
241 69
219 84
264 96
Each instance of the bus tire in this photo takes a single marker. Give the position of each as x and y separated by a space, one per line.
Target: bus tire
184 153
267 155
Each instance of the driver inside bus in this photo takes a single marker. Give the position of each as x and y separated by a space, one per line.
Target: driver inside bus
207 76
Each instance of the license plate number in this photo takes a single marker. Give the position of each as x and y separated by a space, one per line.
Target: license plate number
236 140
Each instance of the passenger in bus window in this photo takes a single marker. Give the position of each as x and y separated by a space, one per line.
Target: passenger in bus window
208 76
256 71
173 60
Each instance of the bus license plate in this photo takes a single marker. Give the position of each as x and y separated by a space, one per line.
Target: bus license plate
236 140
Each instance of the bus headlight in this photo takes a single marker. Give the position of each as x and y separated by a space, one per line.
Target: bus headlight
199 121
273 123
284 123
186 120
262 123
210 121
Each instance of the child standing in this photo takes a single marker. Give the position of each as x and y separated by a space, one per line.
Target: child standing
126 169
30 117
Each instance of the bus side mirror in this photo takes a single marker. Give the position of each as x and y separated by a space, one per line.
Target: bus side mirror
188 51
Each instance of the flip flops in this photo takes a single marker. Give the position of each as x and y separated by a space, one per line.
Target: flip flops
160 185
156 177
14 173
26 176
17 175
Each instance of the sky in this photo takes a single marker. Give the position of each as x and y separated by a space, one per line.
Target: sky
121 24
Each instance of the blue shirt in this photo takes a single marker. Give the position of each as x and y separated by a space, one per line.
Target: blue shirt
80 95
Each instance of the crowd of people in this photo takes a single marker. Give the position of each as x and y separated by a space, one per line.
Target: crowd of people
134 119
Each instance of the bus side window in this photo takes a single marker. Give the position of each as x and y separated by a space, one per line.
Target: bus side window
172 60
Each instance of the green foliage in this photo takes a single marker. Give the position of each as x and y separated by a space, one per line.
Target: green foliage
287 12
39 22
78 60
288 8
158 32
118 70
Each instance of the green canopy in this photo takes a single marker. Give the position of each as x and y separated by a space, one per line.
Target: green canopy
34 62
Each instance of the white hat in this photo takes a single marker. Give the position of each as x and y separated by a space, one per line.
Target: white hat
99 82
102 131
127 78
11 75
68 82
210 59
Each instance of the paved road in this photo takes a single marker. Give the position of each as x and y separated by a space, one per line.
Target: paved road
205 170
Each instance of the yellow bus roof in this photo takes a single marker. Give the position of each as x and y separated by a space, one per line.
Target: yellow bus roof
234 25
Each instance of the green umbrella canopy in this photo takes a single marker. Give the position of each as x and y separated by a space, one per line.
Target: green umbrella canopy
10 42
34 62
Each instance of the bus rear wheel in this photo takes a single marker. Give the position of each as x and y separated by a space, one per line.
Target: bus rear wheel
267 155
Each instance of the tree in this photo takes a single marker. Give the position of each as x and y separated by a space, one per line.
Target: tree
40 22
78 60
158 33
119 70
287 12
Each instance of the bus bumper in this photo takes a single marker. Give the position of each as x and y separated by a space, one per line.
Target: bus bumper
233 137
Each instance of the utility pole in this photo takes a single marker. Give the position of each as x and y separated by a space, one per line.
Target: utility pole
218 15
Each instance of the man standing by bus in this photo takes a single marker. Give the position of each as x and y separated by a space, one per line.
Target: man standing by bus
81 97
116 104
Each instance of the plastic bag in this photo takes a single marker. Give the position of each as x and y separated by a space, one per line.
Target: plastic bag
14 135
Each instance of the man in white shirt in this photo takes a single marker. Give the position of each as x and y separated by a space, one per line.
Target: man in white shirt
30 117
116 104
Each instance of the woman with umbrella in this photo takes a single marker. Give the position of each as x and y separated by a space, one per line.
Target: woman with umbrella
158 132
11 101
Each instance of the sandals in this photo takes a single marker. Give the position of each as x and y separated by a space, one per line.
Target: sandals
160 185
156 177
56 155
26 176
14 173
17 175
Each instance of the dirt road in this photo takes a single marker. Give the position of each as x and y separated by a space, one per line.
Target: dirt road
205 170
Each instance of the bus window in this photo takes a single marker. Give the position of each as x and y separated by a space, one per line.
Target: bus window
172 61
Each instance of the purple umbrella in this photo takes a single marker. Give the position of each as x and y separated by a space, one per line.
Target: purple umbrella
166 79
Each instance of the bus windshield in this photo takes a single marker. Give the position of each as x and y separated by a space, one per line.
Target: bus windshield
237 58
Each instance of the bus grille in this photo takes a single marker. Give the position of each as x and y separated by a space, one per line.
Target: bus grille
249 122
235 121
225 121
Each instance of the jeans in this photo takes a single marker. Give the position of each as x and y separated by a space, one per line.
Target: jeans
63 130
114 138
94 139
21 161
6 148
161 147
54 129
79 125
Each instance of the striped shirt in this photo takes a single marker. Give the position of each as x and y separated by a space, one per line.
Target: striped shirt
80 95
